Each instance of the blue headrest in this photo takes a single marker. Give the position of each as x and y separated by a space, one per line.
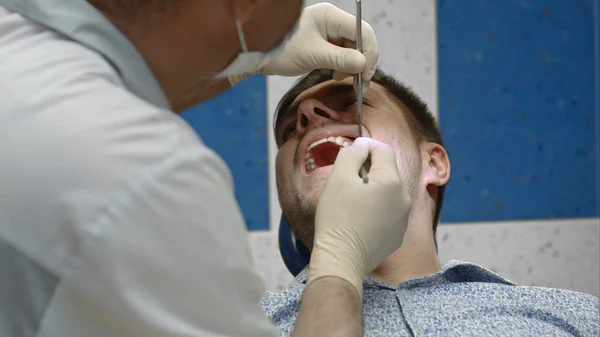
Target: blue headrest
294 254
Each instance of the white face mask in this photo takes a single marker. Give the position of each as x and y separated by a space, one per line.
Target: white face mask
250 61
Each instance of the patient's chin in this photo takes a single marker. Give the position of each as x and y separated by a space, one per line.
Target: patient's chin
314 181
306 235
311 193
300 206
302 221
302 224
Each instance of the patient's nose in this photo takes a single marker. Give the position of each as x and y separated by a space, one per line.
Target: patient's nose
313 112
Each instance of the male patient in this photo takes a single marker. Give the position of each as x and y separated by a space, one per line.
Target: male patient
410 293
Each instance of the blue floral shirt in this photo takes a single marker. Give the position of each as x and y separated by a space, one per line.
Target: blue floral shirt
463 299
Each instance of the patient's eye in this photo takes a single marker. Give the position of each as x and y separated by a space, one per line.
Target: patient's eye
347 104
289 129
350 103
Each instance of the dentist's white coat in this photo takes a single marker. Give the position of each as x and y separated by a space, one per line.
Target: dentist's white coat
115 220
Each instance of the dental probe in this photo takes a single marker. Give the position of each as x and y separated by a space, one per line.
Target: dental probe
359 88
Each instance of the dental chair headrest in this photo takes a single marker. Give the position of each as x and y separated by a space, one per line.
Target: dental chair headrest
294 254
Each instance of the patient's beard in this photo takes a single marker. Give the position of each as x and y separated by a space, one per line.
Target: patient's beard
300 212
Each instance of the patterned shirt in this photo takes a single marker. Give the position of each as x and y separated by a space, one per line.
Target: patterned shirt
463 299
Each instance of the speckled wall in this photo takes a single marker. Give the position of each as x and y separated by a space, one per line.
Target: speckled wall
518 105
518 109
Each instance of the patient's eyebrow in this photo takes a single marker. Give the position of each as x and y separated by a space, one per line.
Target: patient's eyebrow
339 89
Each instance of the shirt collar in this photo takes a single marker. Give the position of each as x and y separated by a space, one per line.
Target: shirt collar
452 272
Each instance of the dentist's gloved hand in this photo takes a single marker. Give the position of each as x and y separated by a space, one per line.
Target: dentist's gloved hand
326 39
358 225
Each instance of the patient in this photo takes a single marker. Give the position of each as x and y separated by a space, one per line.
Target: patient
410 293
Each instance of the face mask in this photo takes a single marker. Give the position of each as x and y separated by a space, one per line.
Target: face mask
250 61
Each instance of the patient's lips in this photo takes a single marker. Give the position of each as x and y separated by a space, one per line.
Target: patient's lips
324 151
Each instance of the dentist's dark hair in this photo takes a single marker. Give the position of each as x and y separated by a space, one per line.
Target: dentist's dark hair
420 119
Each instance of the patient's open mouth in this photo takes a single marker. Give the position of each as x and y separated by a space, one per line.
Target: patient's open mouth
323 152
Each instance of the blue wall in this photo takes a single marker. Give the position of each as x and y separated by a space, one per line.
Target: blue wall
234 124
518 108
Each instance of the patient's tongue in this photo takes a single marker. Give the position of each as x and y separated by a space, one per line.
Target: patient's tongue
332 155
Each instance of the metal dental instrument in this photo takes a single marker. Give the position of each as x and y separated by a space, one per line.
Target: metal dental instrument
359 88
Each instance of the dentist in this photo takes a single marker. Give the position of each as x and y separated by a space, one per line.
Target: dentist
115 219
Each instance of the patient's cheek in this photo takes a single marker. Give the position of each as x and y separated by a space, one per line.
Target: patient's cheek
283 162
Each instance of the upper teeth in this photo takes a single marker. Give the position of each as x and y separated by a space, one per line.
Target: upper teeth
338 140
310 161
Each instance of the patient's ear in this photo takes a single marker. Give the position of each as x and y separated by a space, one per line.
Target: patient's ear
436 165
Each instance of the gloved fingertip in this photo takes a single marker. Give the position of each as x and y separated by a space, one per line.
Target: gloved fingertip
338 75
346 60
369 73
360 142
366 86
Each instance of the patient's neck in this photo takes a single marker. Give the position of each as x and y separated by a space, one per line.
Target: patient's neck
415 258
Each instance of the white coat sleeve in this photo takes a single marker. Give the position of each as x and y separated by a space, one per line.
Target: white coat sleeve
171 258
141 226
167 254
